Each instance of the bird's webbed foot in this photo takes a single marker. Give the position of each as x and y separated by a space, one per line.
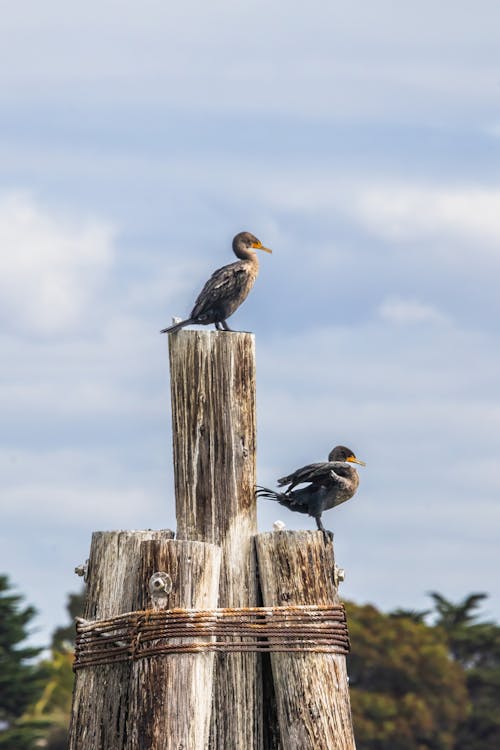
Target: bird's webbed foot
327 535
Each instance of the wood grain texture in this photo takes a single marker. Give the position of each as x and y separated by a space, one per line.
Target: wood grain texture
297 567
99 714
171 696
212 378
158 703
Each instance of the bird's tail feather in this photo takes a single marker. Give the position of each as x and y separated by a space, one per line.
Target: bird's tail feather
177 326
279 497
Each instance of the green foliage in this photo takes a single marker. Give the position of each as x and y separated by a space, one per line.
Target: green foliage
35 698
21 681
411 614
413 686
406 692
416 687
52 710
450 616
20 736
476 647
64 637
55 702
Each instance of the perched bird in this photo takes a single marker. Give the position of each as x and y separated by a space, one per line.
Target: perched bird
328 484
227 288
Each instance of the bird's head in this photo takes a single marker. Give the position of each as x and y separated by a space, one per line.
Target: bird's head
245 242
341 453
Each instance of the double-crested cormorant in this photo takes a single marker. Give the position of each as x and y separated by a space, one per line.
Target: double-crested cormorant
228 287
328 484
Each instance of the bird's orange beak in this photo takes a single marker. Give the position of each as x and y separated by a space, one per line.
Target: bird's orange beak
260 246
354 460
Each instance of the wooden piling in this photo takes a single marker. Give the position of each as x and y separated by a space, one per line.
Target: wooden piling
163 702
311 689
171 696
99 715
156 703
214 434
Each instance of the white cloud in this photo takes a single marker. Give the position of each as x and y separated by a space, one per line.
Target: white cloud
378 60
405 211
398 210
424 398
420 405
75 506
50 265
81 486
404 311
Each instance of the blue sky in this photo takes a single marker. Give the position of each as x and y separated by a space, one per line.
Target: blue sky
361 142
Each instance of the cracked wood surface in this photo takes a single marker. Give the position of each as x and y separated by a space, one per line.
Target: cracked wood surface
157 703
312 695
212 377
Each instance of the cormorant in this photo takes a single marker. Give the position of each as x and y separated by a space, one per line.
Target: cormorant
328 484
227 288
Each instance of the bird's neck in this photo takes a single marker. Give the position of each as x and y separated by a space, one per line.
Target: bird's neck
246 253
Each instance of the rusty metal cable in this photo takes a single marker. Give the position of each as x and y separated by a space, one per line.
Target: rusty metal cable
147 633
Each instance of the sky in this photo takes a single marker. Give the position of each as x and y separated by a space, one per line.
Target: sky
361 142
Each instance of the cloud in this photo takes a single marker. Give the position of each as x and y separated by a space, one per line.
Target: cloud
418 403
398 210
71 506
408 212
88 484
401 311
401 211
383 62
412 396
51 265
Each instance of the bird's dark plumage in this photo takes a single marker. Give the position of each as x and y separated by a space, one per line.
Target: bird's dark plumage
227 288
328 484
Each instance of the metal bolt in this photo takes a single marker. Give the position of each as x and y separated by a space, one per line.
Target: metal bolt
338 575
160 584
82 570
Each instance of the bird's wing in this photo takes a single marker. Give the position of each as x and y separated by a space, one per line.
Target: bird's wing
224 283
320 473
304 474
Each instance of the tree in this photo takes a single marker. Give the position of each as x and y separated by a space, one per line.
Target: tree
53 707
412 614
476 647
406 691
21 681
453 618
64 637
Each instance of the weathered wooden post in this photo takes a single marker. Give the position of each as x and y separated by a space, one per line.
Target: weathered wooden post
145 664
311 689
159 703
171 696
214 434
99 713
